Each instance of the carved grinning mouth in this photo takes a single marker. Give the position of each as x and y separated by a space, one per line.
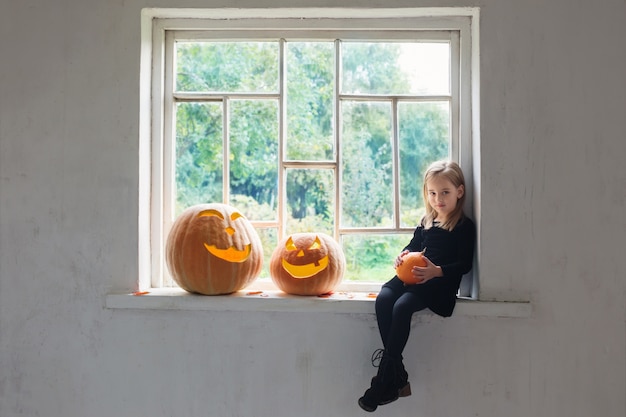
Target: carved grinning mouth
306 270
231 254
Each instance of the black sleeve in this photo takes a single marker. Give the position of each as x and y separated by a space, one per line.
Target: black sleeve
465 242
415 245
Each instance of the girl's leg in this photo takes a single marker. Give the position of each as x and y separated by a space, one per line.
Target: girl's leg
385 301
394 309
400 324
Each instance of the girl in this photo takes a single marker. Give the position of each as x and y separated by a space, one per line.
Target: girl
447 236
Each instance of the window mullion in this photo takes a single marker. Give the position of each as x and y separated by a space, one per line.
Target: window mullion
395 154
282 140
226 149
165 190
455 97
382 97
337 136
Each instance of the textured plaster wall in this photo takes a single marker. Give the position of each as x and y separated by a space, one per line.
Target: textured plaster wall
553 100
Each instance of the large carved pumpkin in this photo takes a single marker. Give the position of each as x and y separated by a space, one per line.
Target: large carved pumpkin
212 249
307 264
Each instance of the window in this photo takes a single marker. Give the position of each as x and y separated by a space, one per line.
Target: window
316 120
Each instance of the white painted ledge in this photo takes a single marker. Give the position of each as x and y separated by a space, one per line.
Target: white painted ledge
266 300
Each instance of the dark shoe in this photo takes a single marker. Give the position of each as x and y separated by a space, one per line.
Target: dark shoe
390 381
405 391
401 380
377 394
369 401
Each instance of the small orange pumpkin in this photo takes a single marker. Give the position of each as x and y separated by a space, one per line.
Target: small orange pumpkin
404 270
213 249
307 264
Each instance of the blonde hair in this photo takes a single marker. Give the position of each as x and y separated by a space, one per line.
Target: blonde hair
452 172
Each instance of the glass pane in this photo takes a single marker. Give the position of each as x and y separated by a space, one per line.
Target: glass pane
395 68
367 190
269 240
253 158
199 154
227 66
424 135
310 201
371 257
310 89
428 67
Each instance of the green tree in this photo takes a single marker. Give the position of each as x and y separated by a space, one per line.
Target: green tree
198 154
254 150
367 165
424 134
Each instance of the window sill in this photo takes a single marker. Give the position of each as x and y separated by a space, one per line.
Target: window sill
340 302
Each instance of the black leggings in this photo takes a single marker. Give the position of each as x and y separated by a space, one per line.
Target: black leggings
394 308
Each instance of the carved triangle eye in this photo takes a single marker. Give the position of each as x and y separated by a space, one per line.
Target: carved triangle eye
316 244
289 245
211 212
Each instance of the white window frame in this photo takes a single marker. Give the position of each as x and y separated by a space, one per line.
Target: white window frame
154 162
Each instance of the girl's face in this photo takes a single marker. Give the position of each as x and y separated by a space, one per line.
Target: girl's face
443 196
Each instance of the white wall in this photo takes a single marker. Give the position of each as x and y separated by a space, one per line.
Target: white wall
553 145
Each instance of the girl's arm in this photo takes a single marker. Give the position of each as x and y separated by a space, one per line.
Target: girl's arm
466 241
466 236
415 245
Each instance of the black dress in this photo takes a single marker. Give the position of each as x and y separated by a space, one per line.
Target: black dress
453 251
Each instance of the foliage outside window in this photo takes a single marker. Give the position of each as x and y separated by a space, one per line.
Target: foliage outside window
303 131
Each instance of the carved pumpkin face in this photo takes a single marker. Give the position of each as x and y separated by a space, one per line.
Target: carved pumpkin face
301 264
307 264
231 253
213 249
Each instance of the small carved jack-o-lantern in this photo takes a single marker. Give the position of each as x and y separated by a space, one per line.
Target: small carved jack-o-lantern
307 264
212 249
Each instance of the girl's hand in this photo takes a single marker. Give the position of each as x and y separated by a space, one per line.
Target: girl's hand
428 272
398 260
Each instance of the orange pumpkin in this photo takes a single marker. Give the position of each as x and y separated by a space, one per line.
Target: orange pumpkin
404 270
307 264
213 249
